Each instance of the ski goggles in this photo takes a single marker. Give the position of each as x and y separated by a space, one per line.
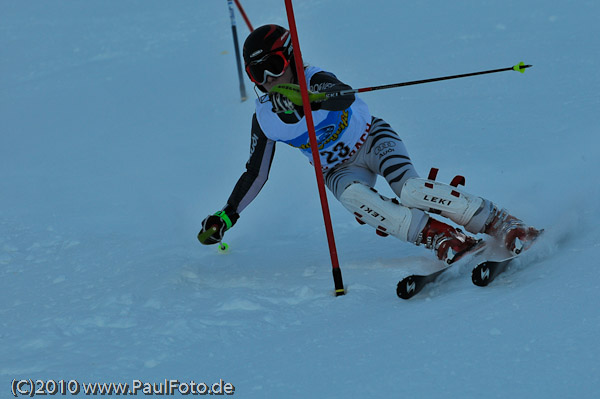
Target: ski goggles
273 64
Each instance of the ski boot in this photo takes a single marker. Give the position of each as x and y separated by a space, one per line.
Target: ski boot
515 235
448 243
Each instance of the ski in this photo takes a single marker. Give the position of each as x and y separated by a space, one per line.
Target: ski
485 272
411 285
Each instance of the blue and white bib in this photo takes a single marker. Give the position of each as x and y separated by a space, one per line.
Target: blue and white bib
339 133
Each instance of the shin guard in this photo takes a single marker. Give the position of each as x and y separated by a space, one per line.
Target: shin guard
440 198
386 215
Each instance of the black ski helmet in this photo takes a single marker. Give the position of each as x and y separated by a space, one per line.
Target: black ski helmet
265 40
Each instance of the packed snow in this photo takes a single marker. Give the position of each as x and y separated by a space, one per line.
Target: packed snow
122 128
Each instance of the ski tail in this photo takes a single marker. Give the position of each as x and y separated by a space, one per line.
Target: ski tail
411 285
485 272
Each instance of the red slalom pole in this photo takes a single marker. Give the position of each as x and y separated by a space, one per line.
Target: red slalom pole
239 6
337 273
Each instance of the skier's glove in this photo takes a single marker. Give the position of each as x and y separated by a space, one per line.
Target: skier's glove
215 226
281 103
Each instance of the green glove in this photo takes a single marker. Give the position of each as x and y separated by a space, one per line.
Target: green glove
214 227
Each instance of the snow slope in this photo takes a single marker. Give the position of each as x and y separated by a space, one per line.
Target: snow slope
121 129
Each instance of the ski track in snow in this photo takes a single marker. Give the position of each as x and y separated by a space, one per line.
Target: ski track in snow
122 128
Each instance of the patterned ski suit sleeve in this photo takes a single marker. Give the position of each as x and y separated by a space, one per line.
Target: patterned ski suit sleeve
258 166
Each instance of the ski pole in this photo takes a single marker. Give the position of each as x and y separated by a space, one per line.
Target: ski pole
293 91
237 50
520 67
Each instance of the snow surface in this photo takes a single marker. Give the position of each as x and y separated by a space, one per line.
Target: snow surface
122 128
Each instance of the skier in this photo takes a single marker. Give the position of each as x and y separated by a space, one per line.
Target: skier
355 147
